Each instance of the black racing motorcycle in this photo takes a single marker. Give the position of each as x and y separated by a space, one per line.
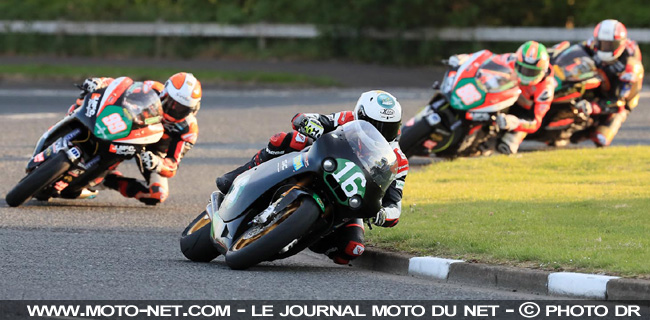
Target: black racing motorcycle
286 204
112 125
577 78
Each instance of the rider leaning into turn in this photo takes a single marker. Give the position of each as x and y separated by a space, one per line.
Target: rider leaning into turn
619 63
537 84
347 242
181 100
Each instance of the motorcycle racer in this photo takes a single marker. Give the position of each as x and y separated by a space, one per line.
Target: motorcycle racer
537 84
384 112
620 66
181 100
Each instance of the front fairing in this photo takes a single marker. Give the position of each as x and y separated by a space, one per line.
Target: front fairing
485 83
254 183
116 123
575 73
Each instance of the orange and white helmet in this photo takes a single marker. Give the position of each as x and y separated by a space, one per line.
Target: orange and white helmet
181 96
610 39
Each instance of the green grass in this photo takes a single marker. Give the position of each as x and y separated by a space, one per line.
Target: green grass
585 210
46 71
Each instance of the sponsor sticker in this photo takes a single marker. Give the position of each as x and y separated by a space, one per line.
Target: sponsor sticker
91 108
60 185
300 138
39 157
297 163
125 150
385 100
74 153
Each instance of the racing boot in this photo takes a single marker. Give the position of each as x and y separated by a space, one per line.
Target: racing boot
85 193
580 136
225 182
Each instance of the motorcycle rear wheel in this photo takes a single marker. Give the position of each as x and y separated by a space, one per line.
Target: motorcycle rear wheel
39 178
195 241
294 223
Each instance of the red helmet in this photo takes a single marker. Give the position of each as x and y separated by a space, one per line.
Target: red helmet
610 39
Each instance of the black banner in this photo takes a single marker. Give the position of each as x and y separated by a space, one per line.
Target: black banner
542 309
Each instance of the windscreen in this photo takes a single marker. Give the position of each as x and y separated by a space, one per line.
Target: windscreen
576 64
143 105
495 77
376 155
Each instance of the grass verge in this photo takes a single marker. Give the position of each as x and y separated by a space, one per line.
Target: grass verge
580 210
78 73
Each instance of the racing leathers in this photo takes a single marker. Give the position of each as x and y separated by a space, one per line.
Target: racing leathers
159 162
525 116
347 242
617 96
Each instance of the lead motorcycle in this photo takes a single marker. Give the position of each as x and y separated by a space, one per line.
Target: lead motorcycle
460 117
286 204
577 78
112 125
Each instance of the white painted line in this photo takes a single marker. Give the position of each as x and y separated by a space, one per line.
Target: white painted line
431 267
579 284
41 115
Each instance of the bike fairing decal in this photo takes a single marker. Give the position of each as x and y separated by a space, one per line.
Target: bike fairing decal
235 191
350 179
319 201
297 163
113 123
93 102
283 165
467 95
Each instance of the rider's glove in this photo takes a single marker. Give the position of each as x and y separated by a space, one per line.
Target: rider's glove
90 85
150 161
584 107
308 126
507 121
381 219
457 59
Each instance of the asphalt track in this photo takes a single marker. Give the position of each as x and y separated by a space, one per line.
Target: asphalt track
117 248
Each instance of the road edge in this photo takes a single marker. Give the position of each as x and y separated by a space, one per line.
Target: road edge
566 284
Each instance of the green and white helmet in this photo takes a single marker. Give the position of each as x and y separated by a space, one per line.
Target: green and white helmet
532 63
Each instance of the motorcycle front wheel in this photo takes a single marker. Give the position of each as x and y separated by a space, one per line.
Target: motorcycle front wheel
39 178
259 244
196 244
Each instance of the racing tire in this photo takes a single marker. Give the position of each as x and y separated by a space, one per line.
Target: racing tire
284 232
195 241
412 138
39 178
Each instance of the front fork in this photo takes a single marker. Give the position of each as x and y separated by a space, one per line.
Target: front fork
61 144
74 154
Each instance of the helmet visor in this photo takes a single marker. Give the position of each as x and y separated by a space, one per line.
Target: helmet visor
387 129
528 73
608 45
175 110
